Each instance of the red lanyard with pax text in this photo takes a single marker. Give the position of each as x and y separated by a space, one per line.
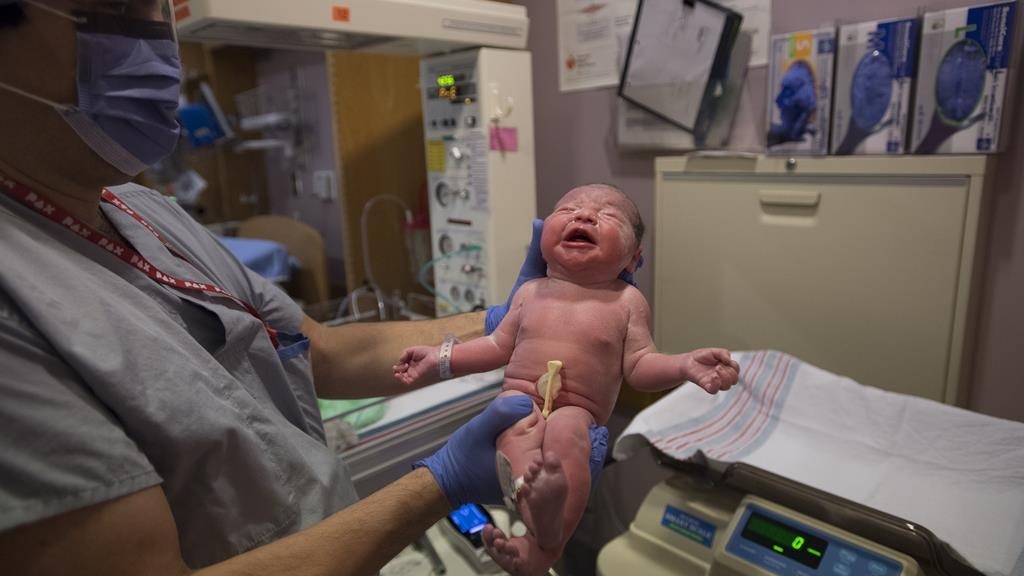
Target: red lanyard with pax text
51 211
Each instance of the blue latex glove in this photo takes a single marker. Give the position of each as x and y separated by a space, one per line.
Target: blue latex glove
598 450
627 276
533 267
464 467
796 101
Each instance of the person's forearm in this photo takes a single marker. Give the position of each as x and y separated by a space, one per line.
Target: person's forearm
355 360
358 540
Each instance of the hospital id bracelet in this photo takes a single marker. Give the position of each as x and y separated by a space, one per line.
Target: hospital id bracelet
445 357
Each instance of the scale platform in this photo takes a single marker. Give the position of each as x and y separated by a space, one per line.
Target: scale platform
730 519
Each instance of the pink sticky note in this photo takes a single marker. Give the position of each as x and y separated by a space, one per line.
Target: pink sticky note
504 139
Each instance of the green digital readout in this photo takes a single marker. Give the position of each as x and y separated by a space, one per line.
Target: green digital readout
446 87
802 547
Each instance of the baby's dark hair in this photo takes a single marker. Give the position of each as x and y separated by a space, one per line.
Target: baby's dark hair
636 220
11 14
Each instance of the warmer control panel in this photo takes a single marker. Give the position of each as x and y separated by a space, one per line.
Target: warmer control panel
478 122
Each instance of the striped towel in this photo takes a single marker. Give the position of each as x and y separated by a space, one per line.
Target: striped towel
730 430
956 472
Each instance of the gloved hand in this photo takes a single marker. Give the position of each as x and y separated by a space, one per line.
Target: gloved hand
598 450
533 267
627 276
464 467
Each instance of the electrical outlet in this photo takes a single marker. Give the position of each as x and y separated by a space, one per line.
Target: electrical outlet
323 185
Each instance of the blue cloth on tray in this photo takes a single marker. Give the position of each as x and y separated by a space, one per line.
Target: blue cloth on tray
265 257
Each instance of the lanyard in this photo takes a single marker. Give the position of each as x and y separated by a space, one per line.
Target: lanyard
51 211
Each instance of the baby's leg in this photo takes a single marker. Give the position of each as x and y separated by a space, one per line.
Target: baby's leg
567 446
543 489
542 499
553 497
521 443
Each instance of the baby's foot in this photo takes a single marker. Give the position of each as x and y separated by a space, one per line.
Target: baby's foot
543 492
518 556
503 551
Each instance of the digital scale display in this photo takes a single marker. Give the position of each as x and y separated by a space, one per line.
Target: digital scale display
785 540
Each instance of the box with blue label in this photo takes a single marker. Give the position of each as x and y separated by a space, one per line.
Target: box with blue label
874 81
800 91
962 79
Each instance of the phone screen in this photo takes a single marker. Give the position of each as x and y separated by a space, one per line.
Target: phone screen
469 520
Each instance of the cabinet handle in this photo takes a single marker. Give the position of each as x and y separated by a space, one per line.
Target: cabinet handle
791 199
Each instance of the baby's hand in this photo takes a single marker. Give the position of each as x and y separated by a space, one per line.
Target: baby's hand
713 369
418 365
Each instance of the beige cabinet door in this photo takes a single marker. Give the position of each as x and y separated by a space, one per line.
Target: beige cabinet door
857 275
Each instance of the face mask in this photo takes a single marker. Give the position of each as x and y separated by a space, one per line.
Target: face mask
129 81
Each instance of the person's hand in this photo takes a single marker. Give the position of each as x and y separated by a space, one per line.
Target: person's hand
533 267
598 451
713 369
464 467
627 276
418 365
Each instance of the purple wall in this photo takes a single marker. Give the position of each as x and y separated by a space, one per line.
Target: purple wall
575 143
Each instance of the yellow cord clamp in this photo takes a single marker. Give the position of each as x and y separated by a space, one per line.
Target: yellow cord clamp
549 384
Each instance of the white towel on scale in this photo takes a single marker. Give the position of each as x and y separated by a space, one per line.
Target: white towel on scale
958 473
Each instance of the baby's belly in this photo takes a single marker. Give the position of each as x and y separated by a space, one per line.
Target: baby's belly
589 381
564 398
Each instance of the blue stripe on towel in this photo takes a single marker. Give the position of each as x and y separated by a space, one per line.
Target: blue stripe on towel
738 426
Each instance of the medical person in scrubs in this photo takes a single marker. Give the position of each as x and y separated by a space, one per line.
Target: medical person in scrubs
157 400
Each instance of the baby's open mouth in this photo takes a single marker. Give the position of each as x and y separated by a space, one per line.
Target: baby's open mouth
579 235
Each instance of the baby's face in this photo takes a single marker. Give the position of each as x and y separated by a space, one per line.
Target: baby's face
589 235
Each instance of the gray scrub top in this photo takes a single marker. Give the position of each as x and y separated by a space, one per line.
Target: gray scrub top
111 382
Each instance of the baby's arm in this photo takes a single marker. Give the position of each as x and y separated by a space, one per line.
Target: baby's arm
420 365
646 369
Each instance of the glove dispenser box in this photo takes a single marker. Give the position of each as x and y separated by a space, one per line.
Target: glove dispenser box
875 71
962 79
800 91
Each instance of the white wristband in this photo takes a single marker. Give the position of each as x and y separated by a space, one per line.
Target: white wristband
445 357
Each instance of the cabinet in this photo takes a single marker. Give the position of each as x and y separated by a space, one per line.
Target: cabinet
231 178
863 266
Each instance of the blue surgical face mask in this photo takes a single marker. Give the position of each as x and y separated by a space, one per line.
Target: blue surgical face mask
129 81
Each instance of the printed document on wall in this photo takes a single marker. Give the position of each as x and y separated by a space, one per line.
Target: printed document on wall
592 37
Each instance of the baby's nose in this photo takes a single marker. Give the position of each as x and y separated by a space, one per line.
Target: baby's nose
584 215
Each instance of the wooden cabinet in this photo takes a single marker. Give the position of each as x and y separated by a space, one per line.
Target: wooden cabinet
863 266
230 177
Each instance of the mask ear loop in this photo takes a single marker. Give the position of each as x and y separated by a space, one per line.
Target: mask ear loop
29 95
172 18
40 99
61 13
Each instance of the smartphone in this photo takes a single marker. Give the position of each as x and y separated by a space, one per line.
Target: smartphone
469 520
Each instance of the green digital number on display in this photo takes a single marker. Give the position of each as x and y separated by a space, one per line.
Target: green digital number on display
446 80
785 540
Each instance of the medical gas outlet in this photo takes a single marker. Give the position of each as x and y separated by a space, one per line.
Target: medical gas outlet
480 174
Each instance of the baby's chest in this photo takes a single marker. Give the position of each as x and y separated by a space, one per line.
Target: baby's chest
590 324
